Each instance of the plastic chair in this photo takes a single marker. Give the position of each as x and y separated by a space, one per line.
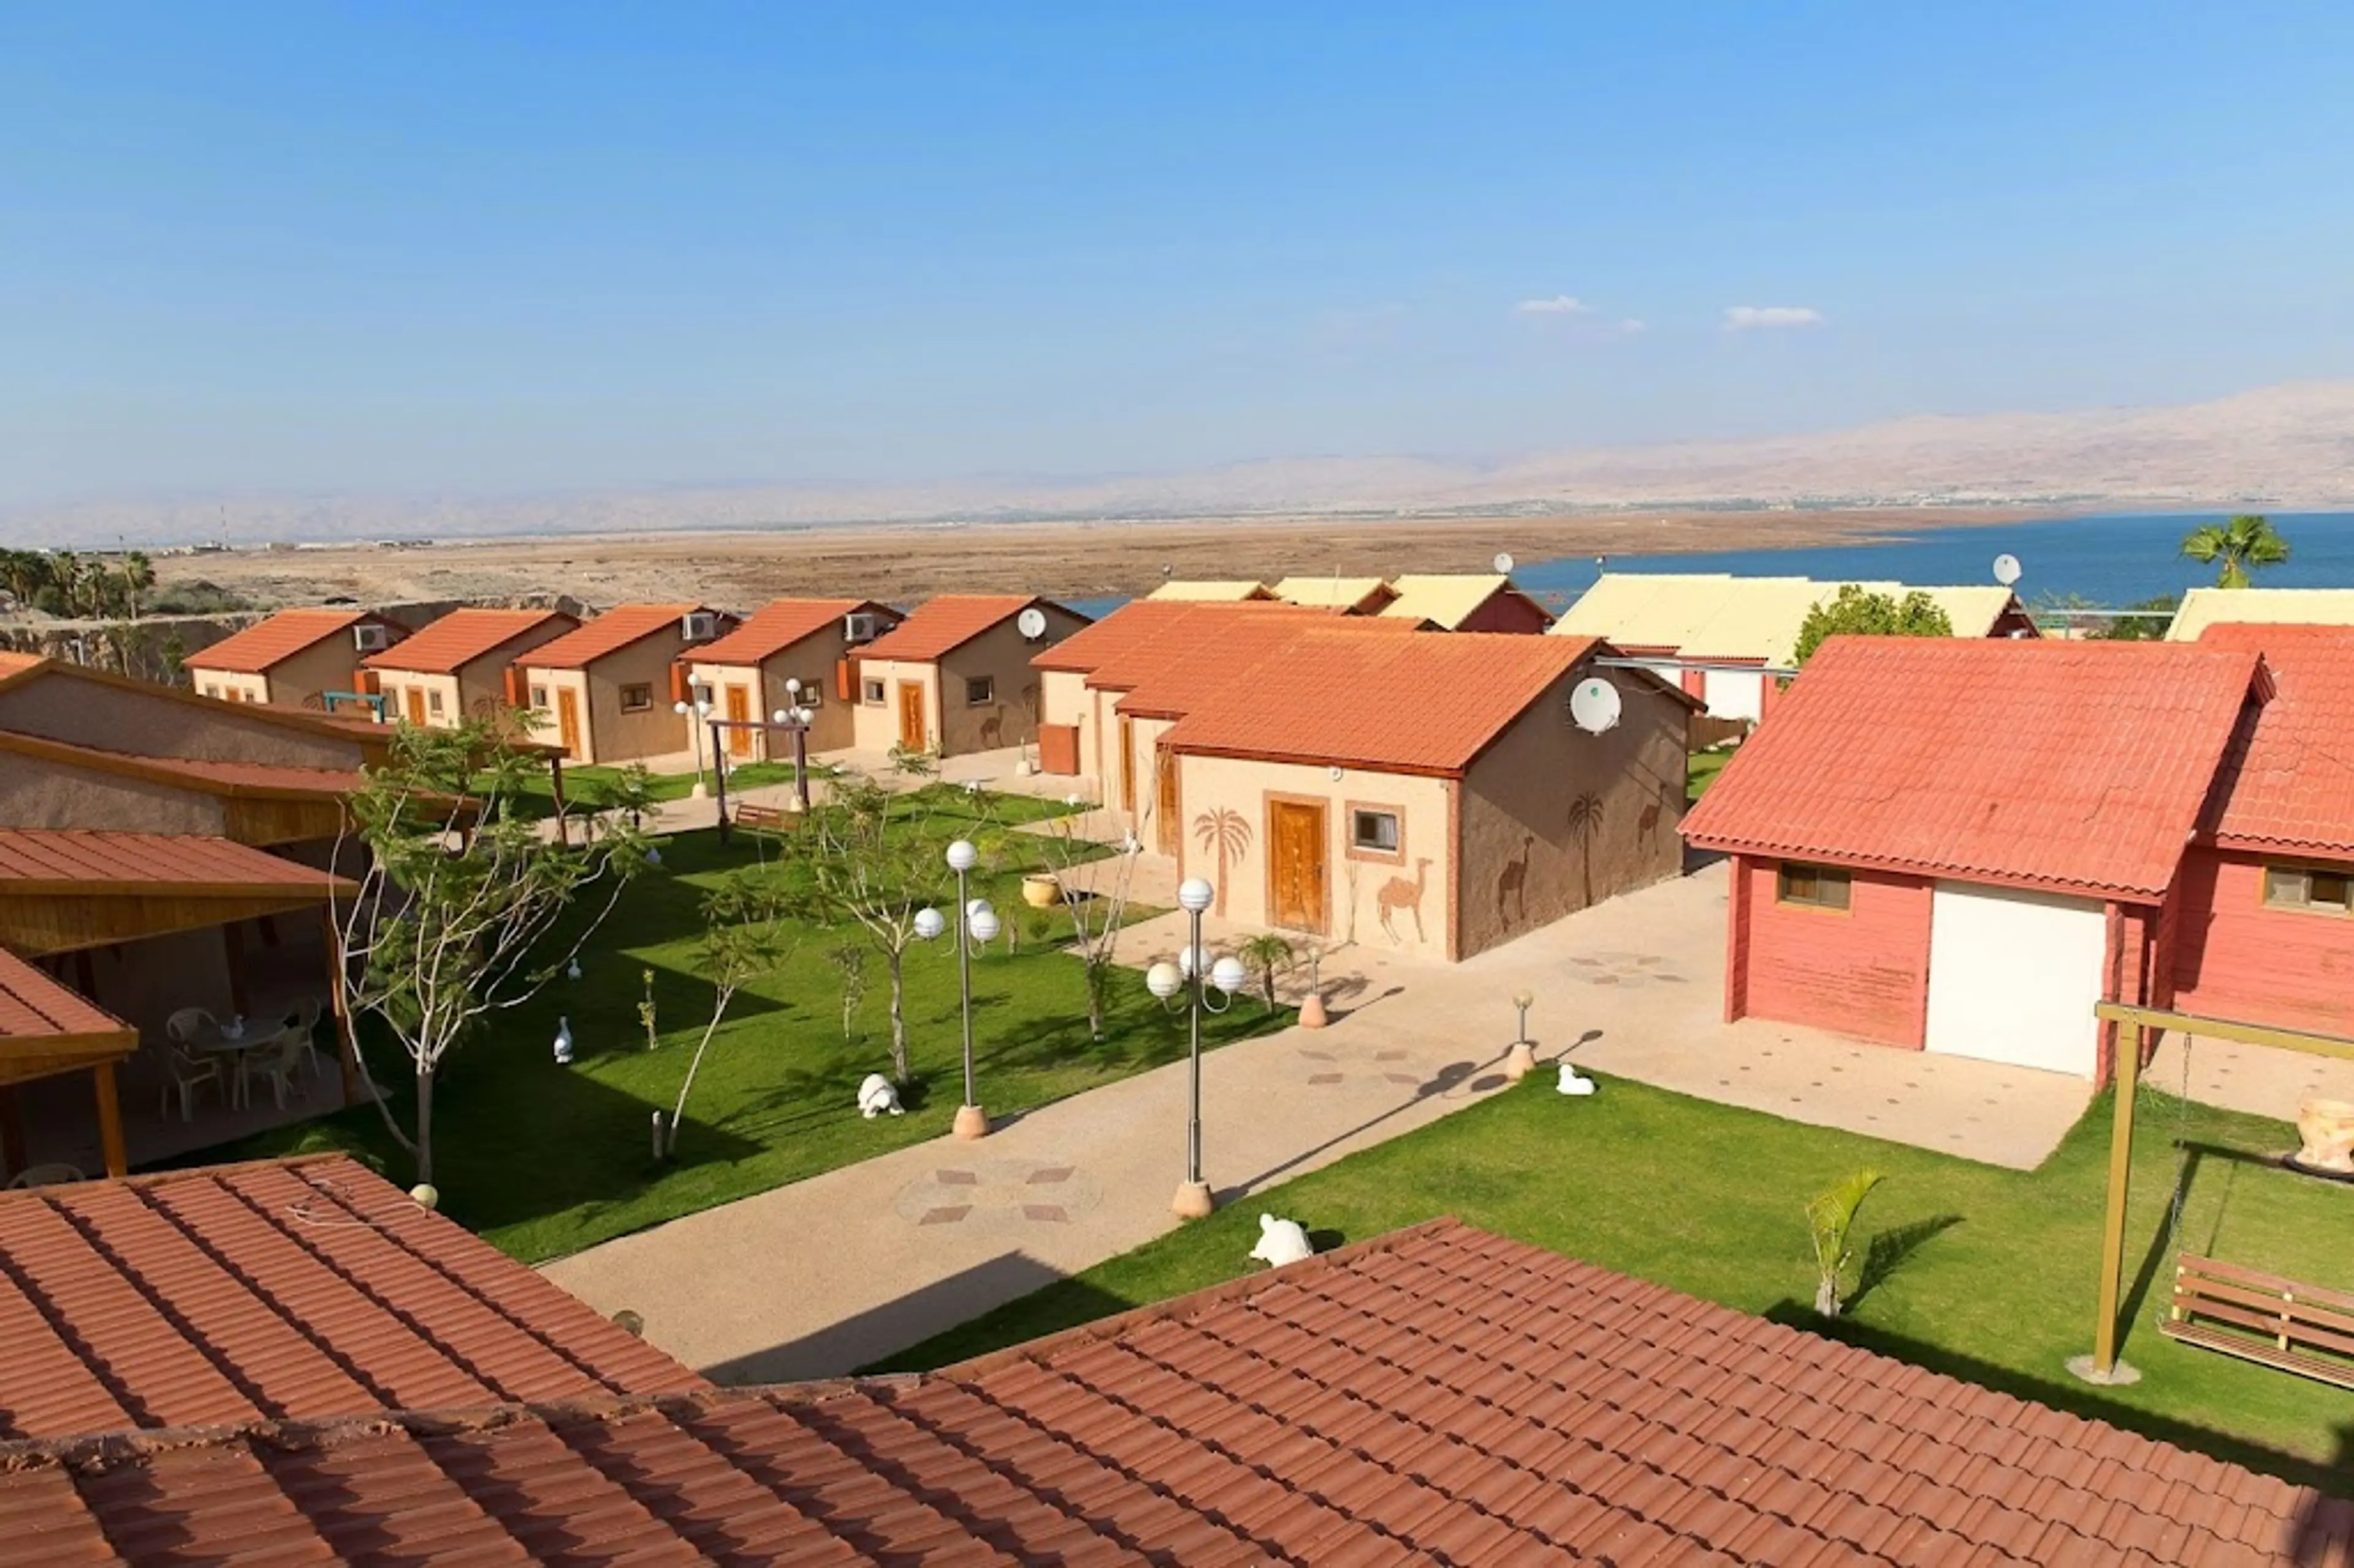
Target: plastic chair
186 1073
305 1021
46 1176
184 1026
279 1060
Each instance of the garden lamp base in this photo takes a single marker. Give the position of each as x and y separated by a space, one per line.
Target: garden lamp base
1193 1200
2118 1375
1522 1062
972 1121
1312 1011
701 791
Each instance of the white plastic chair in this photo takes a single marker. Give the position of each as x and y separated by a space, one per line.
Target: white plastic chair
46 1176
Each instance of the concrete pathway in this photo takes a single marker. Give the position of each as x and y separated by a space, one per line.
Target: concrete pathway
825 1275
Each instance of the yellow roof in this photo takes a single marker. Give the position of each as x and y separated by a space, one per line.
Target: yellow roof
1224 590
2204 607
1716 615
1332 593
1444 598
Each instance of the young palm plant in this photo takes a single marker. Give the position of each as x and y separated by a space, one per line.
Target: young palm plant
1831 1219
1266 954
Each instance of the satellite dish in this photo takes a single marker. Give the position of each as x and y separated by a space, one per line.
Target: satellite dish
1594 705
1031 623
1503 563
2006 569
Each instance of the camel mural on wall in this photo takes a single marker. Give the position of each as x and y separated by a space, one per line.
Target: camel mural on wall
1512 882
992 732
1398 893
1647 826
1585 822
1226 833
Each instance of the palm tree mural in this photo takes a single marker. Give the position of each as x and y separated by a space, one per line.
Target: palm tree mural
2236 548
1585 821
1226 834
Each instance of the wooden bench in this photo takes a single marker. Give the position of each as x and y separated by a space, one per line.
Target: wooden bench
2302 1329
764 819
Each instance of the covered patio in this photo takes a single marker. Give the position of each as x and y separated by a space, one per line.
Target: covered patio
136 929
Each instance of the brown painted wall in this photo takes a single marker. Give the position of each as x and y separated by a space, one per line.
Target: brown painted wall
93 713
609 735
811 662
35 792
1507 610
330 664
1004 654
1525 865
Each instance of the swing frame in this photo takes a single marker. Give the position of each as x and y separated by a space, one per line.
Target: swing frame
2147 1023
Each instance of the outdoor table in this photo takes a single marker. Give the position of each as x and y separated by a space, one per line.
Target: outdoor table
232 1038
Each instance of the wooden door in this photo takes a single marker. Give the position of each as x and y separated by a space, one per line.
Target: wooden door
1165 806
1295 833
911 716
1128 765
739 711
568 719
416 699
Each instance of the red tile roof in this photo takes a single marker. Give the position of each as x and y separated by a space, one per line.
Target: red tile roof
609 633
276 639
13 663
1437 1396
774 627
43 860
940 626
1425 703
297 1290
460 637
2080 766
1145 633
38 1010
2288 782
1173 676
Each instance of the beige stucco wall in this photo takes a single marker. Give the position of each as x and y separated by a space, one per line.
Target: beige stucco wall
330 664
35 792
1524 864
811 662
89 712
876 725
233 686
398 684
609 735
1359 886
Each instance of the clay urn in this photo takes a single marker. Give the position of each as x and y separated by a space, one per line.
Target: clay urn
1311 1011
1040 890
2327 1129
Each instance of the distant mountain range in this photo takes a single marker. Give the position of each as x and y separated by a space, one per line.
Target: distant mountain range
2289 447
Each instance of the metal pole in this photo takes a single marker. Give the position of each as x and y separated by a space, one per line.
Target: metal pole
722 797
1193 1125
801 764
964 982
2113 1230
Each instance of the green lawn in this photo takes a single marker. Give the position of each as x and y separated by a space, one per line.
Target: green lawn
590 785
544 1160
1703 770
1708 1198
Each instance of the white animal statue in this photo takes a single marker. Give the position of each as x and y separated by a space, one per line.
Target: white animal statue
1571 1084
877 1095
563 1042
1281 1242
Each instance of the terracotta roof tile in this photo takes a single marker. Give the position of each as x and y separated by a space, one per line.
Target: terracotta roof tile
2074 766
462 636
1169 678
301 1290
609 633
776 626
939 626
1186 1432
278 638
35 1008
1145 635
98 863
2287 782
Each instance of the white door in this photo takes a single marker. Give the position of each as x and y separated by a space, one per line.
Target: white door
1734 694
2013 976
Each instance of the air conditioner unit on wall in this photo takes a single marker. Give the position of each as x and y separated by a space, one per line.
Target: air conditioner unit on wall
861 626
699 625
371 638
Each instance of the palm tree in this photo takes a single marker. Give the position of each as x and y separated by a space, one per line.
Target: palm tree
2236 547
1831 1219
1585 821
1226 834
1270 955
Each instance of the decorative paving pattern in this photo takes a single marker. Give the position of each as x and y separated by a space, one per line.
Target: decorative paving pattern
1329 1069
998 1191
1623 969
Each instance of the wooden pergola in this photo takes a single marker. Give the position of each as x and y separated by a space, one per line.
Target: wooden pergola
47 1029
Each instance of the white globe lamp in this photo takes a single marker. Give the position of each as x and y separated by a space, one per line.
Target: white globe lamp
1194 895
1228 974
962 856
984 925
929 924
1164 980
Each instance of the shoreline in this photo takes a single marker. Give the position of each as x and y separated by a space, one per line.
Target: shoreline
904 562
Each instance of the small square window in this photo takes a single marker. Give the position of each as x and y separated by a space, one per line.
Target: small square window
812 696
432 702
980 691
1815 886
212 691
872 690
1377 830
637 699
2322 891
539 696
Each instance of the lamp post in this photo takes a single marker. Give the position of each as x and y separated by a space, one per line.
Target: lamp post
975 921
1523 1060
699 710
798 718
1164 980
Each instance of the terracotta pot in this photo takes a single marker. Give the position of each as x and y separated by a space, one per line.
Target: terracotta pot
2327 1129
1312 1011
1040 890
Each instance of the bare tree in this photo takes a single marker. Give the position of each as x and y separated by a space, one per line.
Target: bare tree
744 937
1095 890
460 906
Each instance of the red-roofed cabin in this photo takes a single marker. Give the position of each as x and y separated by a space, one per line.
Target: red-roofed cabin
955 678
1423 791
467 663
296 657
812 641
607 691
2065 823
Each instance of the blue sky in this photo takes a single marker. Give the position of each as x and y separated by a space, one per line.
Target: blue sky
465 246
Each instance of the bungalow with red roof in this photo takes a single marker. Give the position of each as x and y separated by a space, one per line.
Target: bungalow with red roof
467 663
608 688
295 658
1427 792
2068 822
954 677
812 641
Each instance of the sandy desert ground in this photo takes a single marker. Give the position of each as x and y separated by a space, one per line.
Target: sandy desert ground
900 562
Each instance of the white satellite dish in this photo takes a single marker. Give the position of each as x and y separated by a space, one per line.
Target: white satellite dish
1031 623
1594 705
2006 569
1502 563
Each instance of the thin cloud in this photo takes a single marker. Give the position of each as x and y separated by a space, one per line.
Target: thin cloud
1750 318
1559 305
1632 325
